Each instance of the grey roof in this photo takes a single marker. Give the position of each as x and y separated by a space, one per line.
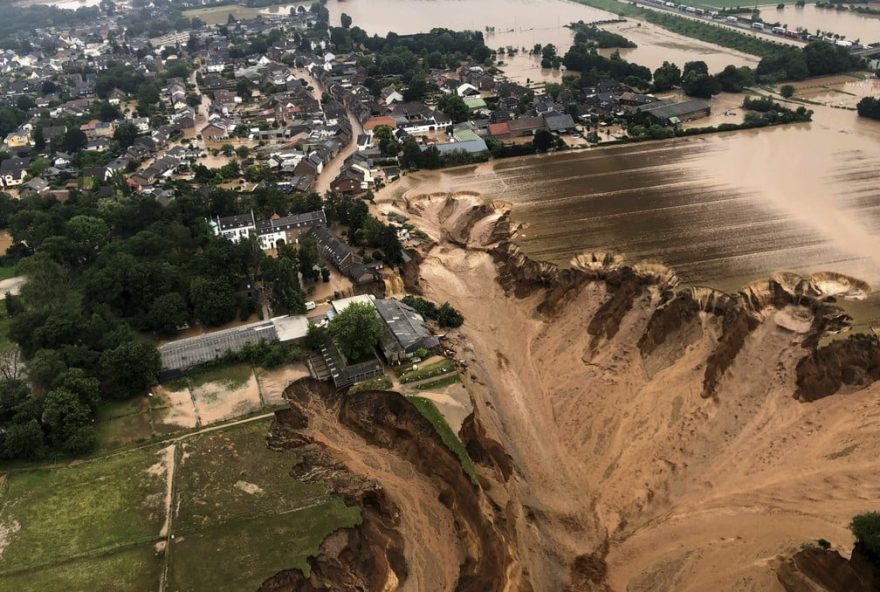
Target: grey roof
684 108
192 351
238 221
559 121
291 221
405 326
469 146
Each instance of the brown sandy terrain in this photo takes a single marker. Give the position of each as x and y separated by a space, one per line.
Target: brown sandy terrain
173 410
273 382
620 463
216 401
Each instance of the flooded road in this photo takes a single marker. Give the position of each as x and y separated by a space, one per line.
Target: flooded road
843 22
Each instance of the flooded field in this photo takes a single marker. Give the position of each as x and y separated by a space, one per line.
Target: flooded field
523 23
722 210
843 22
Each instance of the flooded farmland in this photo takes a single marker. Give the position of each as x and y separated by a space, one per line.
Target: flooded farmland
722 210
523 23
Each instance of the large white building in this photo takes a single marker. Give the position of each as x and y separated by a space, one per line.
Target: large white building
270 233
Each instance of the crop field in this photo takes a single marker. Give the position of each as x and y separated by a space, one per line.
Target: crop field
237 518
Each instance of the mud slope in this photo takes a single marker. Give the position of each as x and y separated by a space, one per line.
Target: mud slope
425 525
659 439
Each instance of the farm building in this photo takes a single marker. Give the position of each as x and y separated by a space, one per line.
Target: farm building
674 113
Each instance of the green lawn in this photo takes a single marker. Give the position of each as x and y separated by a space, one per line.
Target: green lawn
427 408
248 552
377 384
7 271
237 501
439 383
122 422
435 369
61 513
218 470
130 570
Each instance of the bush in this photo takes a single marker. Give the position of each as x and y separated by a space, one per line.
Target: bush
787 91
866 528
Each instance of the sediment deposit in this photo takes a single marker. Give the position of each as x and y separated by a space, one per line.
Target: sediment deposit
628 434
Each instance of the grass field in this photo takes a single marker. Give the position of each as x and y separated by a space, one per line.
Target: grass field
122 422
6 272
432 414
238 518
136 569
377 384
435 369
236 500
439 383
61 522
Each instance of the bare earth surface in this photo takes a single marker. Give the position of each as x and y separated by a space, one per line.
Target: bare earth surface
613 448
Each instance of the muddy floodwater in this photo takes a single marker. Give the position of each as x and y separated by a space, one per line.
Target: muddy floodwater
523 23
852 25
722 210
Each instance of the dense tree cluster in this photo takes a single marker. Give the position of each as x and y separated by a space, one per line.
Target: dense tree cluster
815 59
596 37
445 314
356 331
869 107
364 229
594 67
104 274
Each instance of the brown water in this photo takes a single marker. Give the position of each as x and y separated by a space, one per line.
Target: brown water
523 23
722 210
843 22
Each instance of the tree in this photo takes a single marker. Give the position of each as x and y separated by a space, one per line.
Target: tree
125 134
356 331
869 107
147 94
787 91
84 386
454 106
345 20
108 112
543 140
696 81
23 440
74 140
67 421
866 528
243 88
130 369
733 79
168 312
213 301
308 259
448 316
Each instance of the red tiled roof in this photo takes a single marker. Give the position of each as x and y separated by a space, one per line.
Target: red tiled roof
375 122
499 129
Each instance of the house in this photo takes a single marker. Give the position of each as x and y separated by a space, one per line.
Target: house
389 95
50 132
279 230
116 96
341 254
499 131
331 364
20 138
525 126
214 131
235 228
469 146
675 113
404 331
13 171
559 123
